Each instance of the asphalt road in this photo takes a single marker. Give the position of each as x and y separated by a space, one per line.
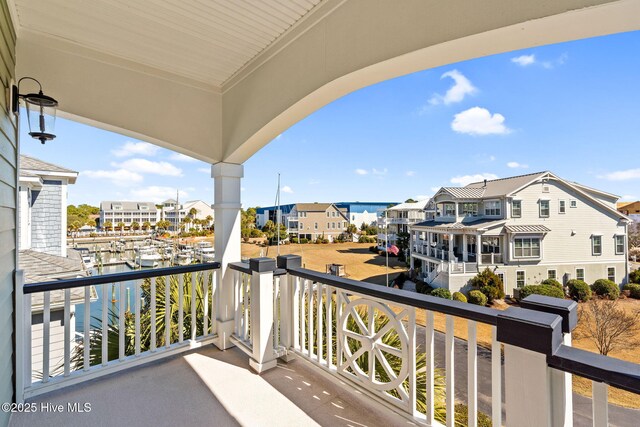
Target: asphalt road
618 416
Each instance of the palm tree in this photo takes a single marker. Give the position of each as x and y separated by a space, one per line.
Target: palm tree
135 225
193 212
146 225
121 227
108 225
351 230
209 220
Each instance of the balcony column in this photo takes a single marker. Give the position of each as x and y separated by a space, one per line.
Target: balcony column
451 247
478 249
226 177
465 255
263 356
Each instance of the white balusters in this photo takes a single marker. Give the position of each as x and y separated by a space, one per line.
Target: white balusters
67 332
206 278
167 311
449 350
430 368
87 327
181 308
121 330
136 294
496 378
105 324
319 320
472 375
329 317
194 281
600 404
153 312
46 336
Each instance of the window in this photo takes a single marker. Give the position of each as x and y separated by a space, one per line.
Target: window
580 274
300 226
611 273
562 206
551 274
328 226
315 225
333 214
502 279
328 214
520 278
516 208
526 247
545 188
573 203
492 208
333 225
596 245
470 209
544 208
619 245
449 209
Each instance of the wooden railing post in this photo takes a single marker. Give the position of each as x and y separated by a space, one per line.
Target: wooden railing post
263 357
528 338
288 302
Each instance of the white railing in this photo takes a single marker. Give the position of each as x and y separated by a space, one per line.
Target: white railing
124 323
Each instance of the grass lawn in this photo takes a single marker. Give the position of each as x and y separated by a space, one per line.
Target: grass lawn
360 264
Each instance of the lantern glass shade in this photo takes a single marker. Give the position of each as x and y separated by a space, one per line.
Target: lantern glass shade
41 116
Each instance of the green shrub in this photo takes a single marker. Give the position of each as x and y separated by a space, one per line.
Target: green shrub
635 293
552 282
366 239
546 290
459 296
423 288
579 290
441 293
462 416
634 276
604 287
476 297
489 284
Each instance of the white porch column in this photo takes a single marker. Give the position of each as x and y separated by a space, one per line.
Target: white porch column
263 357
227 205
450 247
465 255
478 249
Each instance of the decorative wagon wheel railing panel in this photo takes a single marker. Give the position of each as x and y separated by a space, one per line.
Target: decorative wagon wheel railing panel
377 347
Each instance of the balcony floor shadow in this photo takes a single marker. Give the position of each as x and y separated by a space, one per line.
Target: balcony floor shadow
212 387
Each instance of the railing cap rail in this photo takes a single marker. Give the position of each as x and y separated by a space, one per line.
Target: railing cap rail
30 288
566 309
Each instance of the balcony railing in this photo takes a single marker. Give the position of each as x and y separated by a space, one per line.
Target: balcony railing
364 335
125 322
491 258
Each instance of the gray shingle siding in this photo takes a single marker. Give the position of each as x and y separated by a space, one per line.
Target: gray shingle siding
46 211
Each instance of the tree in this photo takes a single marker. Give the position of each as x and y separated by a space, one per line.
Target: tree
269 229
146 225
121 227
634 235
608 325
351 230
489 284
108 225
410 200
193 212
135 225
209 220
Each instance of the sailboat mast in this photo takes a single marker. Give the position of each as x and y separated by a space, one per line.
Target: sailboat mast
278 216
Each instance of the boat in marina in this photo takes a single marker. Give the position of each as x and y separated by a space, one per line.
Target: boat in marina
147 257
205 252
184 257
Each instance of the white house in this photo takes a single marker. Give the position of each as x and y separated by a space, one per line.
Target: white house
397 219
175 213
127 213
525 228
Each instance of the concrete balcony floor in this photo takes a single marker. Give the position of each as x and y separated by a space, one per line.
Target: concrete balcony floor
212 387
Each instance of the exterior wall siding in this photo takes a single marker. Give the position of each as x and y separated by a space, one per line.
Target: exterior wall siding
8 182
46 211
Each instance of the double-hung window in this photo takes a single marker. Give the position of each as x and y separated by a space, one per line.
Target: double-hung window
449 209
596 244
619 244
516 208
551 274
492 208
544 209
580 274
611 273
526 247
520 278
562 206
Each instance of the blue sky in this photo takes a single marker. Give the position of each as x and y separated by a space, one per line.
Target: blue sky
572 108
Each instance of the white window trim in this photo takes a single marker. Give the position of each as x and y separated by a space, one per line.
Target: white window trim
583 273
615 243
504 278
593 253
525 278
614 272
513 247
540 208
573 203
555 273
560 202
512 215
484 207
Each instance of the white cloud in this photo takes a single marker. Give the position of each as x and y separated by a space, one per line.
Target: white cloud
456 93
157 194
434 189
286 189
314 181
463 180
130 148
629 197
410 173
361 171
524 60
492 158
204 170
624 175
120 177
479 121
179 157
516 165
147 166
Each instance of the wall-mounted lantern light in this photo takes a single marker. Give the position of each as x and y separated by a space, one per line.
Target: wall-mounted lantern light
41 111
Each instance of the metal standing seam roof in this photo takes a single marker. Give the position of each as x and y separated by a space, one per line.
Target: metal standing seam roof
465 193
526 229
107 205
503 186
482 224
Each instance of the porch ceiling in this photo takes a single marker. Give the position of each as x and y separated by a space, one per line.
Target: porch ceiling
207 41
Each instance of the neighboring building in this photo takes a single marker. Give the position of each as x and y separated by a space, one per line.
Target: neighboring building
269 214
364 212
42 244
175 213
42 206
127 213
313 220
630 209
525 228
397 219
